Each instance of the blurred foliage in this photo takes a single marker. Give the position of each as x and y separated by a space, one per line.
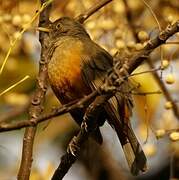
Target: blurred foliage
109 28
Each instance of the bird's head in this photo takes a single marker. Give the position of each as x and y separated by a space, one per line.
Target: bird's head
66 26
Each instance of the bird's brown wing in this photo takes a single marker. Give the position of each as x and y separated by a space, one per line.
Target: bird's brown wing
68 86
95 65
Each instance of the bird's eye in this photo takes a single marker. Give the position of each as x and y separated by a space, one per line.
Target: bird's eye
61 28
58 26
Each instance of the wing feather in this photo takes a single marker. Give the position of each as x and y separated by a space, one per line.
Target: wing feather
94 70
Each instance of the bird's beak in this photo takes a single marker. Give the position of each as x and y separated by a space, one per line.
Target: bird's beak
43 29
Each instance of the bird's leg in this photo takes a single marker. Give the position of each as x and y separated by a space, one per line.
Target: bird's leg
85 126
73 147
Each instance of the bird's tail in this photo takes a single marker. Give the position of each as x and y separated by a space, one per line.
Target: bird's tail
133 152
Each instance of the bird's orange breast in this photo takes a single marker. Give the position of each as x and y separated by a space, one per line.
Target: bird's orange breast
64 71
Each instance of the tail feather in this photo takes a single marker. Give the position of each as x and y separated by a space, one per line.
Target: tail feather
134 154
132 149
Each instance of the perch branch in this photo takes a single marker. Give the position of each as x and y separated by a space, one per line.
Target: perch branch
90 120
84 102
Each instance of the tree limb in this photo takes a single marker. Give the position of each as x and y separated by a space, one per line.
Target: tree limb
150 63
82 17
78 104
37 101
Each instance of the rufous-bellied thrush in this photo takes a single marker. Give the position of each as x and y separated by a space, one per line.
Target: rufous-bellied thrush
76 67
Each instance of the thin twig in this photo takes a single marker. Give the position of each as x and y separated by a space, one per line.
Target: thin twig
27 26
14 85
16 111
144 72
146 93
82 17
165 92
173 43
153 14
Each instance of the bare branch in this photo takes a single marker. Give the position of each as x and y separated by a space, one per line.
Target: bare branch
37 101
150 63
90 121
16 111
56 112
83 17
139 57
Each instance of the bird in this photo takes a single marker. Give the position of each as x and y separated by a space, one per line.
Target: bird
76 67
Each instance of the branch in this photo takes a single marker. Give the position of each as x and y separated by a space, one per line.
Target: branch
84 102
83 17
150 63
142 55
13 113
37 101
90 122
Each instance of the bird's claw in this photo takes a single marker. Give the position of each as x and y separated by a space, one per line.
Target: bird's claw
73 148
85 126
